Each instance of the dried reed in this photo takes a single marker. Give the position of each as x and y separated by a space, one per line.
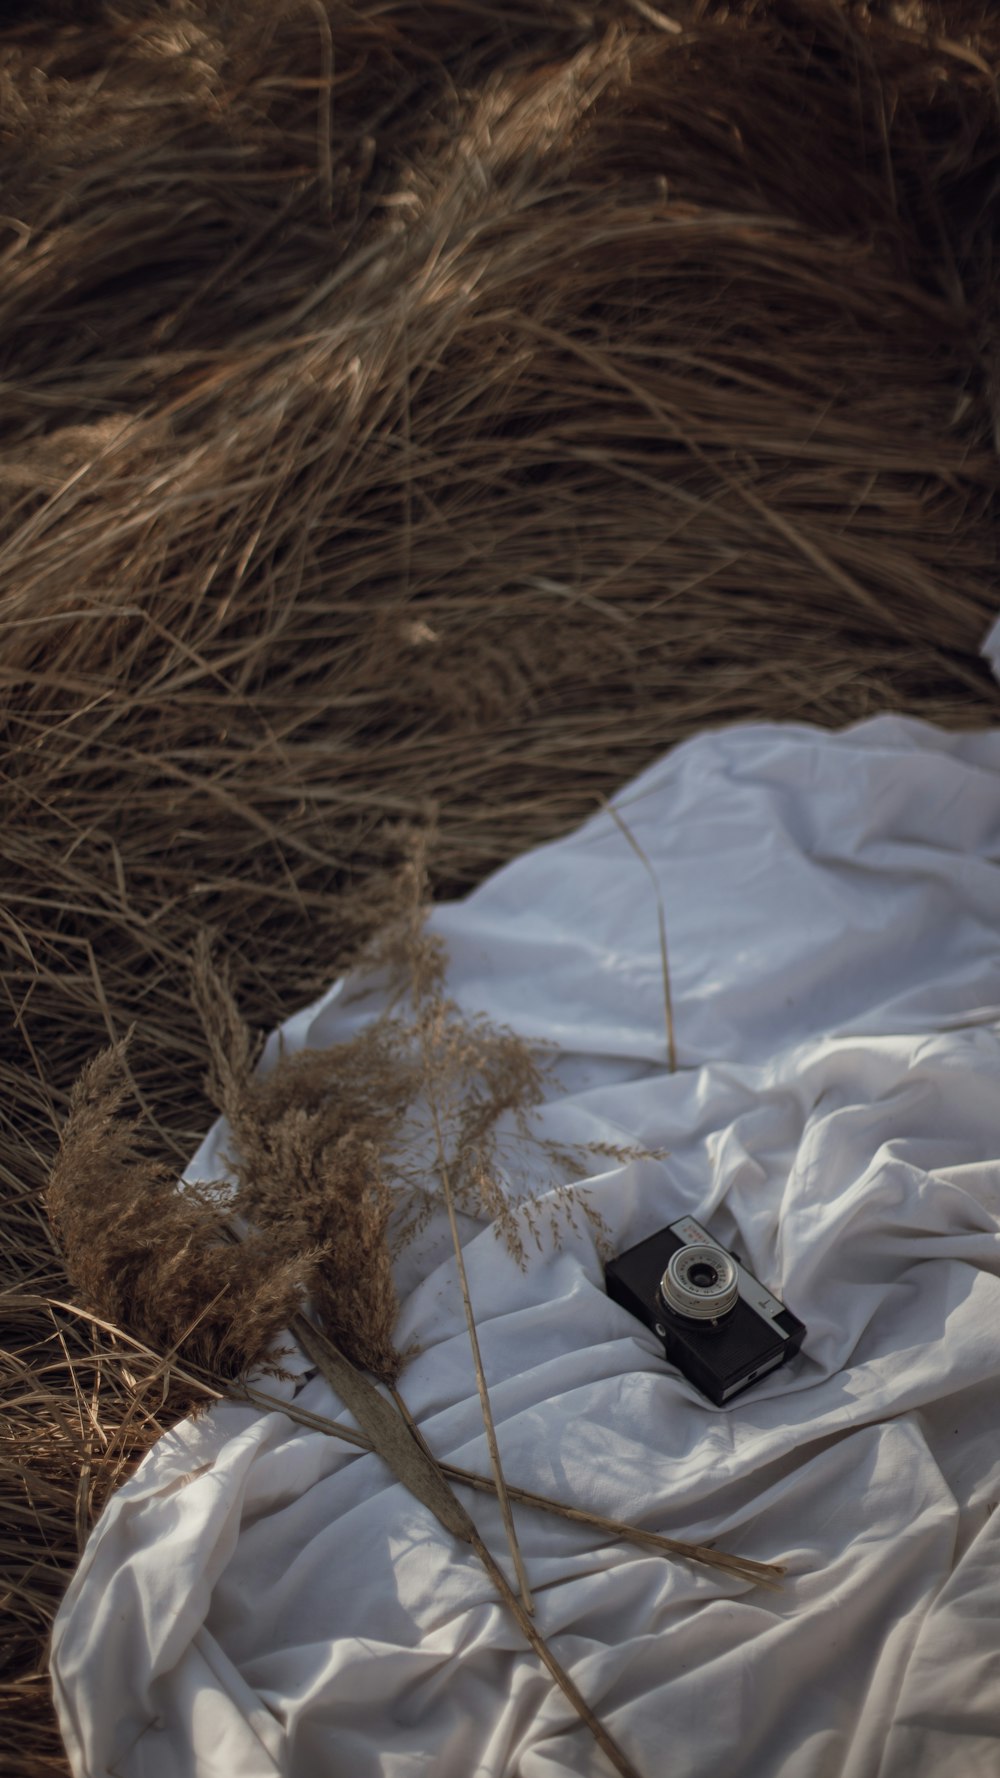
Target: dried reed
326 1151
462 434
766 1574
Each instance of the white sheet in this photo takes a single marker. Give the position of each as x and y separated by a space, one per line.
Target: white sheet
260 1599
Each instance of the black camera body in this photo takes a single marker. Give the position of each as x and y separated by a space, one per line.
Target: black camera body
718 1323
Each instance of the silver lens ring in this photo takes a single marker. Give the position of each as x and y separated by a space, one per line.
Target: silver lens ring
700 1282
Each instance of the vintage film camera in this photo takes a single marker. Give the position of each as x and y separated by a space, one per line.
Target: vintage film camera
717 1322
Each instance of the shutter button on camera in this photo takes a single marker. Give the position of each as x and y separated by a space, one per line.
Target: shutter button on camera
700 1282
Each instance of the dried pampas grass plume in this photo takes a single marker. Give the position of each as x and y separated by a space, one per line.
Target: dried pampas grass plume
154 1259
346 1152
480 1086
307 1161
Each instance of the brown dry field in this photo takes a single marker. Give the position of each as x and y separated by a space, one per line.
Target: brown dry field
426 414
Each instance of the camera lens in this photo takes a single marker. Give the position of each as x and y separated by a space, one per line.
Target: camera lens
703 1276
700 1283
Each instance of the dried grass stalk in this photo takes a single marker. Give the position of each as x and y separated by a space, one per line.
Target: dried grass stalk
661 921
766 1574
399 1441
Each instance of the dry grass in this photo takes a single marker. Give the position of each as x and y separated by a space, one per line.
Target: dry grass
446 410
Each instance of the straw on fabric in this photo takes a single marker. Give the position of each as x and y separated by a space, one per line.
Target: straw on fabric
600 382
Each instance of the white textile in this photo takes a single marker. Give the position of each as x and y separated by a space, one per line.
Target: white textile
261 1599
991 648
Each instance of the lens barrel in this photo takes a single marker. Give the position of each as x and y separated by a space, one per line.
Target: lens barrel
700 1282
